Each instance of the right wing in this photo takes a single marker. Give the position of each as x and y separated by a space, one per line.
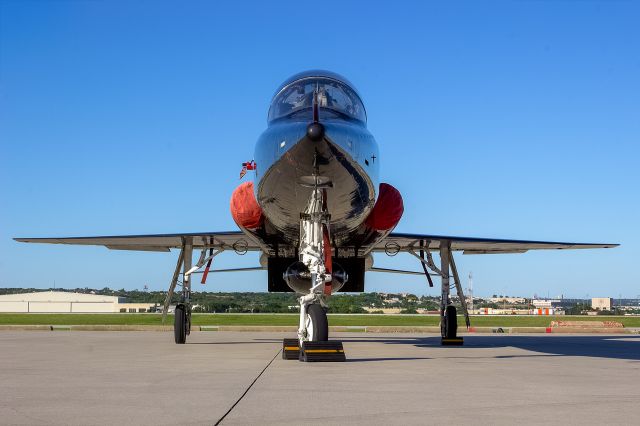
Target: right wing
397 242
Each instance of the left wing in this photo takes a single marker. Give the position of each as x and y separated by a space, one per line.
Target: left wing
397 242
233 240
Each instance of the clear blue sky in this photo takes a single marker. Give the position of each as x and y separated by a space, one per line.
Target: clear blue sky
495 119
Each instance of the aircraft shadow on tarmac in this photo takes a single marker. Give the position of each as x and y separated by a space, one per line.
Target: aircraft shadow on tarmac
243 342
615 347
621 346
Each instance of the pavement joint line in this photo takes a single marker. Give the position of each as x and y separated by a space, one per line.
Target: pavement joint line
248 388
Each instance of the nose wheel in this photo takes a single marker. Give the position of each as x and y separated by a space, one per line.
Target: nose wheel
313 344
317 347
316 324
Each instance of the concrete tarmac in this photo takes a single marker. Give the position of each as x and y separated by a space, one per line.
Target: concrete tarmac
83 378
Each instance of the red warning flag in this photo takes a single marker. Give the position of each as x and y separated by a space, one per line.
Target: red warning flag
251 165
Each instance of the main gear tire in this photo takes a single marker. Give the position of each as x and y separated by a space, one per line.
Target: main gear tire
450 323
180 324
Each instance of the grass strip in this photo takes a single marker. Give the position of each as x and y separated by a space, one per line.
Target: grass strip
292 319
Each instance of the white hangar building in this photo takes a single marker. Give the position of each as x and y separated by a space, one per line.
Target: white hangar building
60 301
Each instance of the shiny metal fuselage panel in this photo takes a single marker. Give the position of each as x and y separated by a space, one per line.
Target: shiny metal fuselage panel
348 155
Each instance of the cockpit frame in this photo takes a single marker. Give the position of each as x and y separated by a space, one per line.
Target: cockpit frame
338 99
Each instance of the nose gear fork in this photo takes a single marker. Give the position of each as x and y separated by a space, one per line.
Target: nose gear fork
306 331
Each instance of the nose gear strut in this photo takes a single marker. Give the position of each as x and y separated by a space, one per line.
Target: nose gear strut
315 254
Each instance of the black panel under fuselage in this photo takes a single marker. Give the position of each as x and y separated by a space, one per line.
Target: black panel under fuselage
353 266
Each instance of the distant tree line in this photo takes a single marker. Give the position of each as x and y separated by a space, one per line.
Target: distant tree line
248 302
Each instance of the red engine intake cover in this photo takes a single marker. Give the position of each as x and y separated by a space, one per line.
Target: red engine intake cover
244 208
388 209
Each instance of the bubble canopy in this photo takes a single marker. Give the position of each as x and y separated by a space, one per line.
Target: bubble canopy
336 99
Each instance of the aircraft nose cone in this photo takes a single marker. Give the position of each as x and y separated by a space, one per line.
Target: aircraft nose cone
315 131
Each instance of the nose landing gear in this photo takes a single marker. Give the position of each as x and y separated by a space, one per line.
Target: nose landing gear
315 254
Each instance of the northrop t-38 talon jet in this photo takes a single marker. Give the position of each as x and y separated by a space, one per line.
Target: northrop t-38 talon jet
317 211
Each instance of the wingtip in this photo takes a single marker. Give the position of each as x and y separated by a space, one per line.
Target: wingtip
26 240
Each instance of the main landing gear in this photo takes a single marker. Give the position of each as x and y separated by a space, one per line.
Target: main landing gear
182 317
448 317
448 314
182 314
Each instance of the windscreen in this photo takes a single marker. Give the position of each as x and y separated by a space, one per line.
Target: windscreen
335 99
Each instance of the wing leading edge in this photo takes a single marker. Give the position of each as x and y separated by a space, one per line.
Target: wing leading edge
233 240
239 241
396 242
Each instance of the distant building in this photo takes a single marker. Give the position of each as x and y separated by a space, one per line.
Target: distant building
384 310
139 307
546 303
602 303
511 311
67 302
512 300
548 311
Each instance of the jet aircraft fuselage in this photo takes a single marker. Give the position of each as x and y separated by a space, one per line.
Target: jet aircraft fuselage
344 155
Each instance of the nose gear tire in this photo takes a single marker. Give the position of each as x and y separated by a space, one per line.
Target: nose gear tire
318 321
